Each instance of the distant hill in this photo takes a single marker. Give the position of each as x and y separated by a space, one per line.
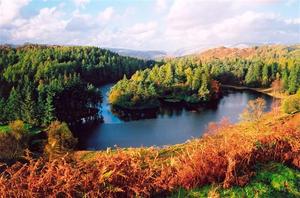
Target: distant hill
147 54
267 51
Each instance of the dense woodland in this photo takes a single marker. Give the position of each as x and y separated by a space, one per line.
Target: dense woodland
195 79
39 84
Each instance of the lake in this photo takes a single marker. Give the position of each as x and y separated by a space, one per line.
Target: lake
171 125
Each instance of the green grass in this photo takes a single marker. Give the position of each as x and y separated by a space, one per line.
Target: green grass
32 130
271 180
4 128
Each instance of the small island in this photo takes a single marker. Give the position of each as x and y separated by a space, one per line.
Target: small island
178 81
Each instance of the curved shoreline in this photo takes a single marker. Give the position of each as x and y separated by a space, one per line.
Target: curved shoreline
267 91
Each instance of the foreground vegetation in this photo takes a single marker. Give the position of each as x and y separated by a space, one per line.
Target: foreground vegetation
227 156
196 79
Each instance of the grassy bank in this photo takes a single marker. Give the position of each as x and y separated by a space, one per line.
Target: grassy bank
268 91
4 128
271 180
32 130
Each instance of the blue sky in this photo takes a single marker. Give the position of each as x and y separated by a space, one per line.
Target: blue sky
150 24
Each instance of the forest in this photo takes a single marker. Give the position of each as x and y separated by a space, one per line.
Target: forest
197 79
40 83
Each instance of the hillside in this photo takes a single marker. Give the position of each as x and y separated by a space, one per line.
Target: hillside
267 51
141 54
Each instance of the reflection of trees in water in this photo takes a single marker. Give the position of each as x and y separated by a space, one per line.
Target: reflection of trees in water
83 131
127 115
165 109
171 109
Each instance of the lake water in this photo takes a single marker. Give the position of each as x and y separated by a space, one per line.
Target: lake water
172 125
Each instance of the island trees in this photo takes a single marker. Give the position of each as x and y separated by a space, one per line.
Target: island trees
173 82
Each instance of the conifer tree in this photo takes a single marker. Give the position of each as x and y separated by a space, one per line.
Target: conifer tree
49 109
12 108
203 92
2 111
28 107
294 80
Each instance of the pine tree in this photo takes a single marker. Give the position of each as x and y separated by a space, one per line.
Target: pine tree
285 78
294 80
2 111
203 91
196 79
265 75
189 76
49 109
169 75
12 108
28 107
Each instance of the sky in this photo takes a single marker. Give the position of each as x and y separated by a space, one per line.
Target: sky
166 25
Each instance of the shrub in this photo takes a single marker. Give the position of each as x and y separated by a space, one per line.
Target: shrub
18 129
60 139
292 104
254 110
14 142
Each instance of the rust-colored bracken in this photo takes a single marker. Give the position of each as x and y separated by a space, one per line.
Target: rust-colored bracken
227 155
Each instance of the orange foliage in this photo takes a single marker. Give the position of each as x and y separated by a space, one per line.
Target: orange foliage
214 127
224 52
277 86
227 156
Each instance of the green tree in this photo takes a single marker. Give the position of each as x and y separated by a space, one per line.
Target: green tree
49 114
2 111
294 80
291 104
28 107
265 75
196 79
13 105
203 92
189 76
169 75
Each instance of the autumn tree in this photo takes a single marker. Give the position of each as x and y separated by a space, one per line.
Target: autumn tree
254 110
277 86
60 140
291 104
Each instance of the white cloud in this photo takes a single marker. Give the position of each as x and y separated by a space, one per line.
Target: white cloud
161 5
106 15
142 28
189 13
46 26
10 9
220 22
180 24
81 3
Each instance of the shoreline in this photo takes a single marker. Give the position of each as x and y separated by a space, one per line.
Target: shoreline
267 91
